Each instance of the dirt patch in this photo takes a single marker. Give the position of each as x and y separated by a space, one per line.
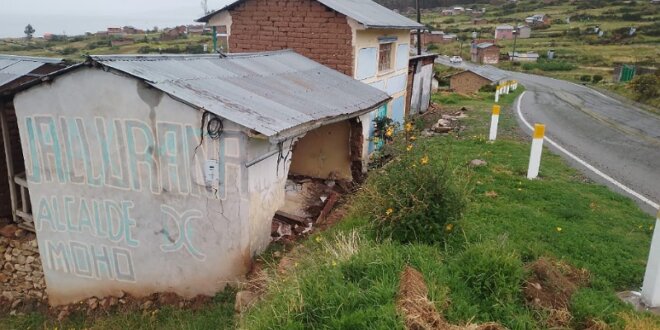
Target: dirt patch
419 312
413 303
550 287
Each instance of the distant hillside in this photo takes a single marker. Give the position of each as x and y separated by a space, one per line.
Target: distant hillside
404 4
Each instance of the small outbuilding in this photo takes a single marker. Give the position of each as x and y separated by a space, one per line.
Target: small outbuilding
163 173
523 57
472 80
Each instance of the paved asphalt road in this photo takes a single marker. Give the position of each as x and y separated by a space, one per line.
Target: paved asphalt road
613 142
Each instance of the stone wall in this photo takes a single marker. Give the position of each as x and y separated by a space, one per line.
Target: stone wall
305 26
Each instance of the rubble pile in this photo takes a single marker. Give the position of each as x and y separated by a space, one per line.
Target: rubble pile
21 274
308 203
446 124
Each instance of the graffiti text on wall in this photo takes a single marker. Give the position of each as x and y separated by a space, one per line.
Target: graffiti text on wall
125 155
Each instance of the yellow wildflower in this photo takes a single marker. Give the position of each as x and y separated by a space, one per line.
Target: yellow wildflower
390 131
449 227
424 160
389 211
409 127
559 229
413 138
334 263
319 239
410 146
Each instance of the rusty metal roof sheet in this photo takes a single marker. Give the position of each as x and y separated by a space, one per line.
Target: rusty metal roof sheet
366 12
14 67
278 94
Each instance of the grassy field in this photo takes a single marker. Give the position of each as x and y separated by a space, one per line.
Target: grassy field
76 48
573 42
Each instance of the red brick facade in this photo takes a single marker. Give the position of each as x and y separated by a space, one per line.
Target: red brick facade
306 26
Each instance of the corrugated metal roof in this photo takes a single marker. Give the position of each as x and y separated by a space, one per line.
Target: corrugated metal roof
489 73
366 12
278 94
485 45
14 67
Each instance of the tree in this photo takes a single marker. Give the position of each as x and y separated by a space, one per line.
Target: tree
29 31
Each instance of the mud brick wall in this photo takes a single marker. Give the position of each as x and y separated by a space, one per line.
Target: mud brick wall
306 26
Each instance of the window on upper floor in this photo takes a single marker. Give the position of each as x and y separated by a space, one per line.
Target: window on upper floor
385 57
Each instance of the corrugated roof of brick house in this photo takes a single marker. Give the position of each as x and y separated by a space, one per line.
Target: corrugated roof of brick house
366 12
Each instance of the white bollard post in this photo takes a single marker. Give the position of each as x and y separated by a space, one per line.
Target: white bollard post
651 287
497 93
507 87
495 119
537 149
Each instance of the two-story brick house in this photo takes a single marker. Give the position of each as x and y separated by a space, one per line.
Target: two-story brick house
359 38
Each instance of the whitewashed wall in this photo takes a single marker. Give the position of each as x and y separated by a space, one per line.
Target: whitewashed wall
123 196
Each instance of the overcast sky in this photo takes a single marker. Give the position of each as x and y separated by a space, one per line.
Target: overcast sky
79 16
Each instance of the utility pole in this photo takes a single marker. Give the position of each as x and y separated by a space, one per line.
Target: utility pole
515 37
419 31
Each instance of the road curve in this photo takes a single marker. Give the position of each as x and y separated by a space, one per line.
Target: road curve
614 143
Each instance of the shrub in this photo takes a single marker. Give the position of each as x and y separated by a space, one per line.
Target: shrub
545 65
490 273
69 51
418 199
597 78
585 78
646 86
488 88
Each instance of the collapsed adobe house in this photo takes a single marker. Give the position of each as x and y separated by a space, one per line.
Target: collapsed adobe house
162 173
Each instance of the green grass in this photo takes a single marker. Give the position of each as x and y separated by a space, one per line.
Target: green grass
479 270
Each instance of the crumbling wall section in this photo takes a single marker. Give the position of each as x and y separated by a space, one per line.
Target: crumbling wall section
324 153
306 26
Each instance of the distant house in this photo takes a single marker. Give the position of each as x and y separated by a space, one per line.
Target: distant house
434 37
112 31
131 30
174 33
472 80
524 32
504 32
458 10
523 57
485 53
479 21
537 20
195 29
447 12
176 162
